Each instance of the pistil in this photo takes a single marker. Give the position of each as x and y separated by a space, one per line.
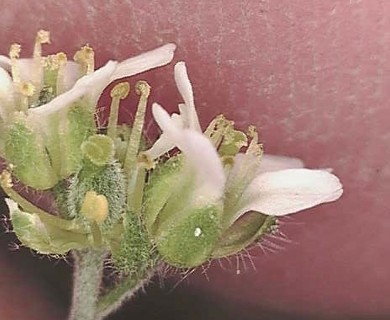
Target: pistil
118 93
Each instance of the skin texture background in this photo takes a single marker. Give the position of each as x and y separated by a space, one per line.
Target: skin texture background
313 76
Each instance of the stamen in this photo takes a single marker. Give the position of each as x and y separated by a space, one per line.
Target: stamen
228 162
254 147
42 37
145 160
217 129
119 92
27 89
14 56
61 60
142 88
5 179
86 58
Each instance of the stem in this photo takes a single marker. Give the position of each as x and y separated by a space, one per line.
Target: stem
122 292
88 274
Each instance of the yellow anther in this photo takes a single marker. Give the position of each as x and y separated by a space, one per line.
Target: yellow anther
51 62
42 37
86 58
228 161
142 88
6 180
121 90
252 132
55 61
59 63
14 52
95 207
146 161
61 58
254 146
27 89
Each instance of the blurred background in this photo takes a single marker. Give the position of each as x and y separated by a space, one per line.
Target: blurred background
314 77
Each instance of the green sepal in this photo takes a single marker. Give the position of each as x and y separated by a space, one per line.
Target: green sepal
190 242
160 187
81 125
243 232
46 236
185 233
24 149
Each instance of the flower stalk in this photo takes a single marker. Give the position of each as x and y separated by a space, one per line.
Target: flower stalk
87 278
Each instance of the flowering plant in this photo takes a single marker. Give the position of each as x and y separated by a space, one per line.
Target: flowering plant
189 197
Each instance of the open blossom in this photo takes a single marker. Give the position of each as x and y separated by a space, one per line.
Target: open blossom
191 197
47 107
212 199
231 184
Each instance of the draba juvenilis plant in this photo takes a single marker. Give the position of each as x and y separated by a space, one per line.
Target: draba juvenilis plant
189 197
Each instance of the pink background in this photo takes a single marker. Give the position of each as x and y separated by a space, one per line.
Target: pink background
313 76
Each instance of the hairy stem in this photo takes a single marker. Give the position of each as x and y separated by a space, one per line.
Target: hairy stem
88 272
122 292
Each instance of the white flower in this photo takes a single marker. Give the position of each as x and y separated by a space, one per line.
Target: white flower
187 118
47 107
274 186
89 86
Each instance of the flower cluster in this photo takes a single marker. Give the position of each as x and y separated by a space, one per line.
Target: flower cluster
190 197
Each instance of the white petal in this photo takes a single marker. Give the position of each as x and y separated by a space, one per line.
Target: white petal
72 73
287 191
12 205
5 63
27 69
61 102
163 143
6 93
183 83
160 147
145 61
275 163
185 88
199 152
90 85
95 82
5 83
